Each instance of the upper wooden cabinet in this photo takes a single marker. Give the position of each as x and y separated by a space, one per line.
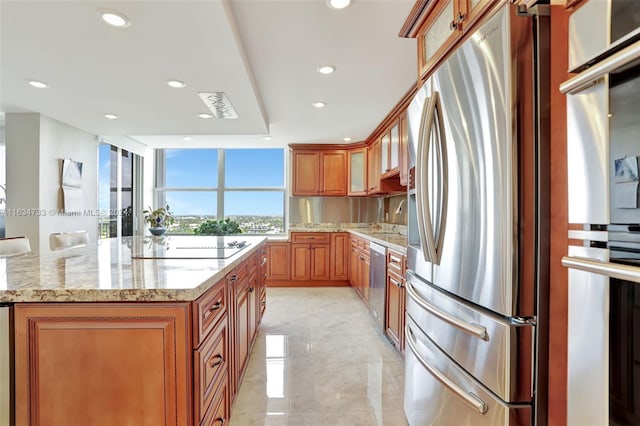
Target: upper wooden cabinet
404 150
320 173
357 171
438 25
373 166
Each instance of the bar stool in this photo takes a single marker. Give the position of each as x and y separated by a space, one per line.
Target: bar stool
67 240
14 246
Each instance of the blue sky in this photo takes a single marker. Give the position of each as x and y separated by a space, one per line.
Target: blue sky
244 168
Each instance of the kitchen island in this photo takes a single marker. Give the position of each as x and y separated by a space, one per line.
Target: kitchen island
133 331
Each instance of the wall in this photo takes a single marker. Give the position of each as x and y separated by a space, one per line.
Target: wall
35 147
58 141
22 136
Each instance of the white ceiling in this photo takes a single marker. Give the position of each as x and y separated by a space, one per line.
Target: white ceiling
262 53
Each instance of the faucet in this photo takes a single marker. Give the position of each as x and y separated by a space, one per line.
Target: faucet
399 208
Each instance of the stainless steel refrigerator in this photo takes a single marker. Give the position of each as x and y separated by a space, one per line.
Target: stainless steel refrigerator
477 280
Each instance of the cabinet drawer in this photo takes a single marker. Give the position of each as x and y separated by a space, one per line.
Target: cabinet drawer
210 365
395 262
207 310
217 414
310 237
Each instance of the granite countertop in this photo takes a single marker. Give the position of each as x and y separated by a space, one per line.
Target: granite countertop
388 235
106 272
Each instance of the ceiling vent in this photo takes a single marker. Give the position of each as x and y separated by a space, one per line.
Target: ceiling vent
219 104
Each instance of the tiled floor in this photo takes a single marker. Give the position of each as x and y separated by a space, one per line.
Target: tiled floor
319 360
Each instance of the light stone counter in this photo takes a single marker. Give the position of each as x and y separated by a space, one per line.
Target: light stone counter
105 271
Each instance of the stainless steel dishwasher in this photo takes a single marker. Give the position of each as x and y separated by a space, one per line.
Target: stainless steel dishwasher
377 283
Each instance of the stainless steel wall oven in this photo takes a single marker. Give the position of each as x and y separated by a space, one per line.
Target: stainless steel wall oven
603 136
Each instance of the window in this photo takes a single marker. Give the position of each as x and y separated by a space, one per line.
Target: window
247 185
117 190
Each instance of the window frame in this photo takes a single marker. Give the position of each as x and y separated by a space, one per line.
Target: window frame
159 191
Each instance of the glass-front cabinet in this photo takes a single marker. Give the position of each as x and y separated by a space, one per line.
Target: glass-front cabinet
358 171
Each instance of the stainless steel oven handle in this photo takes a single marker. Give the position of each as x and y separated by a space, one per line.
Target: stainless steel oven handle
475 330
613 270
585 78
470 398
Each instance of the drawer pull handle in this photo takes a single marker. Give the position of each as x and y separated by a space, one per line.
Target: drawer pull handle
251 289
396 283
220 420
215 360
215 306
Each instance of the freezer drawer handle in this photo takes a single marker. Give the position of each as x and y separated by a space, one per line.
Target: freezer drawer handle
473 329
470 398
613 270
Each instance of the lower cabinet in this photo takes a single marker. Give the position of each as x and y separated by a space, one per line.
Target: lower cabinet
151 363
360 267
395 295
312 258
79 362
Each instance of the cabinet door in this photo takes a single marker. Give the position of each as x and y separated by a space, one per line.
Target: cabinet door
254 308
385 146
279 261
394 309
320 261
357 171
403 166
334 173
339 265
373 177
242 331
394 149
354 266
471 10
81 363
300 261
306 173
438 33
365 274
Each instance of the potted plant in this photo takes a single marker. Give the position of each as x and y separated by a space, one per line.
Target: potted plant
218 227
158 219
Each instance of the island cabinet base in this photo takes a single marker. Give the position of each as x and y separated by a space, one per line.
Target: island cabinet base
103 364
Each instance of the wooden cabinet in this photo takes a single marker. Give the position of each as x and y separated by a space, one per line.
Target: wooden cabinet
385 154
278 261
443 23
359 267
319 173
262 280
339 250
78 362
373 167
310 256
210 366
395 298
403 165
357 162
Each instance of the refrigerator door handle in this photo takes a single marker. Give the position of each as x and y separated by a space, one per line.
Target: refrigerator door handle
431 115
613 270
472 329
421 162
470 398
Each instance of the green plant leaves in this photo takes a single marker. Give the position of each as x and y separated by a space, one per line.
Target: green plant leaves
218 227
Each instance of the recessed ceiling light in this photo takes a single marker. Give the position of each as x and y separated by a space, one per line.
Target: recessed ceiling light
110 116
339 4
113 18
326 69
319 104
267 138
38 84
176 84
187 138
205 115
347 139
